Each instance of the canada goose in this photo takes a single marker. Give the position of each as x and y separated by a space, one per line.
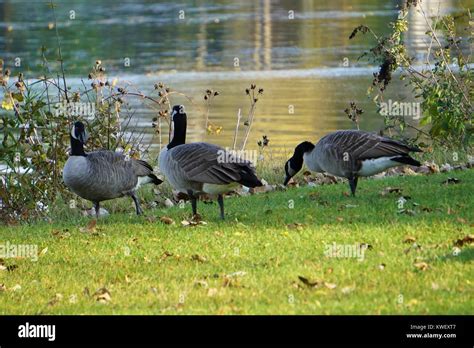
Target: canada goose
350 154
198 168
102 175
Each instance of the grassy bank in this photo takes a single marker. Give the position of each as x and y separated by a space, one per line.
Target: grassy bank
266 258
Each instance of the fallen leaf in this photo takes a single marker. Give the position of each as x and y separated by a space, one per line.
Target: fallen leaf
389 190
201 283
307 282
3 287
295 226
198 258
102 295
166 220
165 255
409 212
331 286
193 222
409 239
451 181
382 266
57 298
90 228
422 266
466 240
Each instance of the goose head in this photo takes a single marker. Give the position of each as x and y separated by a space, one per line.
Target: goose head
295 163
79 132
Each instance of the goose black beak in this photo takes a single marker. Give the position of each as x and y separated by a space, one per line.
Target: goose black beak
287 179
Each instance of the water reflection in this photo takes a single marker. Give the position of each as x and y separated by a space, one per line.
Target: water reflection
297 60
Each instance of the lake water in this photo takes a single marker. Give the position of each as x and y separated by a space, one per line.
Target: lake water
195 45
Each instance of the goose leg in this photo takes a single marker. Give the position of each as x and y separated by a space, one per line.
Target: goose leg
97 209
137 203
220 200
353 184
193 201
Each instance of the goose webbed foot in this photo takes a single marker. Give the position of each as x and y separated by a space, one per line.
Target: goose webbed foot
220 200
137 204
353 184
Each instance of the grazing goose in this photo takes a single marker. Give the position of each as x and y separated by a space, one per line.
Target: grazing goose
350 154
198 168
102 175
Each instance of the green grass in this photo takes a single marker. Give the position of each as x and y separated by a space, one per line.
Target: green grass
256 239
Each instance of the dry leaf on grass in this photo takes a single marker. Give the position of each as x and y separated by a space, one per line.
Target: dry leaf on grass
102 295
166 220
389 190
451 181
309 283
466 240
198 258
295 226
192 223
57 298
90 228
201 283
409 239
422 266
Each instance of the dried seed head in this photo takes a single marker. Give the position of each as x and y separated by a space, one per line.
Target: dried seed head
247 91
90 76
205 97
216 93
253 86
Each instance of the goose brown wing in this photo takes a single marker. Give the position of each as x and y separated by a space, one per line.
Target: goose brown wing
207 163
364 145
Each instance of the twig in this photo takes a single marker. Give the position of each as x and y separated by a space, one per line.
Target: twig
236 129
